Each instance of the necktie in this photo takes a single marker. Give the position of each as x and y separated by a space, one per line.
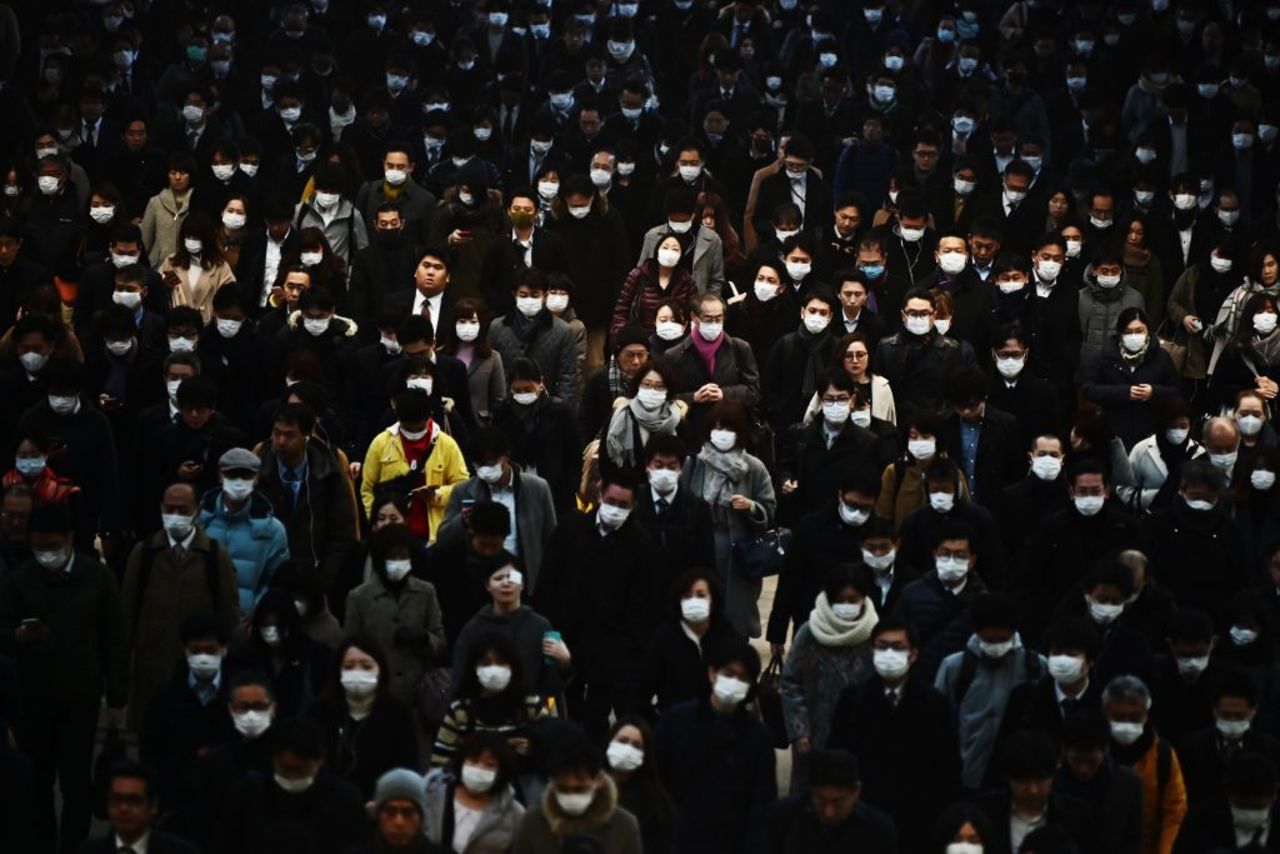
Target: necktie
508 123
126 850
91 136
662 506
179 552
892 696
193 138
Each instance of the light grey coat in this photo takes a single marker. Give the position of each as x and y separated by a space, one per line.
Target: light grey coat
732 525
1098 316
487 382
1149 473
981 709
708 256
494 834
535 517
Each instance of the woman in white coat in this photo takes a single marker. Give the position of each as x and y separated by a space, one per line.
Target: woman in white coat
853 356
1157 459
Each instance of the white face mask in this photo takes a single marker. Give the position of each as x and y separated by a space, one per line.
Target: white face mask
1046 468
912 235
942 501
193 246
836 413
668 257
995 650
951 569
1089 505
251 724
467 330
494 677
1193 666
854 516
942 325
294 786
1108 281
556 303
1176 436
1232 730
861 417
1048 270
798 270
729 690
529 306
1103 613
663 481
575 803
847 611
816 323
1264 322
270 635
182 345
765 291
623 756
489 474
1221 265
233 221
548 189
237 489
1242 636
204 665
1074 247
476 779
922 449
612 517
1224 462
963 187
1011 367
579 212
953 263
918 325
310 259
651 398
63 404
315 326
249 169
102 214
1262 479
1126 733
710 331
121 260
891 664
879 563
325 201
1250 425
679 227
397 569
525 398
128 299
695 609
359 683
29 466
669 330
723 440
177 525
1134 341
690 173
1065 669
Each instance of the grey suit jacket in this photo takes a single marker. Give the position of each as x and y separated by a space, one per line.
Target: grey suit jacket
708 257
535 518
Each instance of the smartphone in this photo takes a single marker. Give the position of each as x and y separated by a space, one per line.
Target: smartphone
467 502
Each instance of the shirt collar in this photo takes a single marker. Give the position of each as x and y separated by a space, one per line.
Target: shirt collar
658 496
186 542
139 846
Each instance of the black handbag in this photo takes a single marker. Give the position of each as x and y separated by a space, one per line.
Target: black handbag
764 555
769 699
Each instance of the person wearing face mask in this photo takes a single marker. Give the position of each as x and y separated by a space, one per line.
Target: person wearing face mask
916 358
533 332
898 724
250 704
736 485
398 611
1130 378
188 718
368 729
468 342
701 248
187 450
829 652
692 626
542 430
329 210
647 412
416 456
1207 753
474 798
275 641
241 519
1195 528
1157 460
1041 492
1102 598
197 269
1104 297
1241 813
1195 299
947 503
580 801
167 209
664 274
979 679
601 563
699 741
1255 503
1135 743
1250 360
798 361
63 623
175 572
984 441
399 187
32 473
300 789
491 698
1234 322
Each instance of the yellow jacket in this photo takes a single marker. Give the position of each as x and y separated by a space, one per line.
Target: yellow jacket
1159 838
385 461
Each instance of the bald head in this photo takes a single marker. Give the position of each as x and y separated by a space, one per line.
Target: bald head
1221 435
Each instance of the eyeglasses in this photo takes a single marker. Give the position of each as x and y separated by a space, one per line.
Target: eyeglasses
855 355
833 400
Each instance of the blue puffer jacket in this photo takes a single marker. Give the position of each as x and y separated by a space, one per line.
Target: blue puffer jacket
253 536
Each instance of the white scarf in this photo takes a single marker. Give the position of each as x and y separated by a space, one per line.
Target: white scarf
830 630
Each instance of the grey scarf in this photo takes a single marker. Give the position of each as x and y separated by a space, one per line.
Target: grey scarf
726 468
620 438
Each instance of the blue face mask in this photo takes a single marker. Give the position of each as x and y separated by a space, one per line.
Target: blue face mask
873 271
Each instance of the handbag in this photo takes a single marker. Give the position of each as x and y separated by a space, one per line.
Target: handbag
762 556
769 699
433 696
1175 345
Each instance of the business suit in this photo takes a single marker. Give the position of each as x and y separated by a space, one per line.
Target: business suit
504 261
451 382
777 190
399 304
535 517
158 842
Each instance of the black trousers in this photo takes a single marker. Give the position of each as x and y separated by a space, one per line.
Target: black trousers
58 739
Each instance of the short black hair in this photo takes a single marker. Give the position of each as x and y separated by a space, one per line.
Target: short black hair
1029 755
1190 624
575 753
1075 633
993 609
489 517
489 443
50 519
296 413
199 390
300 736
1086 729
834 768
1251 775
665 445
129 770
205 624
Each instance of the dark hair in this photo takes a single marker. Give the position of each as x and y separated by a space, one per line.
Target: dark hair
1075 633
205 624
665 445
489 442
302 737
735 651
662 369
479 743
489 517
834 768
1111 572
369 647
575 753
1251 775
50 519
296 413
1029 755
469 683
895 623
993 610
1190 624
844 575
127 769
731 415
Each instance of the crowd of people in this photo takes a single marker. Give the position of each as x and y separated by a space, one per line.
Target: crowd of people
408 401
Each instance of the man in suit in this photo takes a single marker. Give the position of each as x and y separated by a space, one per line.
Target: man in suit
678 520
429 296
525 159
1032 401
1113 791
132 805
1064 691
984 441
530 246
1206 754
416 337
1013 204
1245 820
902 732
798 182
263 253
385 266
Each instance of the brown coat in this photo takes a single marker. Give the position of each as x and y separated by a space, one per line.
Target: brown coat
153 615
198 295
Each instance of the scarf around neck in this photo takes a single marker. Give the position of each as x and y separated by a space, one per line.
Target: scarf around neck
620 439
830 630
707 349
725 469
